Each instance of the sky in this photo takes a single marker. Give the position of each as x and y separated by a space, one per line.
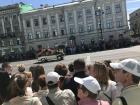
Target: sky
131 4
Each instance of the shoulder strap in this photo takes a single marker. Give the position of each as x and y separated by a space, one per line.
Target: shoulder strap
110 99
123 100
49 101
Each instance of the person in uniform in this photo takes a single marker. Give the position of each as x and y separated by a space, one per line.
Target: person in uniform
129 73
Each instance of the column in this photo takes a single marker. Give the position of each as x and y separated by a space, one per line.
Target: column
66 21
49 24
3 27
84 17
75 20
19 21
113 15
124 12
24 29
32 27
40 25
57 23
94 18
11 23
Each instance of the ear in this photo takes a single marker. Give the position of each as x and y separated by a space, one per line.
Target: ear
128 76
86 93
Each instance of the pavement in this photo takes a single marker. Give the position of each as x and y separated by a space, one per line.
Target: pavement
113 55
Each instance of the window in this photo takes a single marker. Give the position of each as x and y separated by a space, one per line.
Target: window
79 14
14 17
81 28
28 24
62 32
2 43
71 30
11 42
54 33
44 21
90 27
36 22
117 8
109 24
61 18
46 34
8 30
16 28
70 16
30 36
108 10
53 21
119 23
38 36
88 14
18 41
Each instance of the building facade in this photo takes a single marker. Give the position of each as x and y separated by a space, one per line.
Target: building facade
79 21
135 22
11 29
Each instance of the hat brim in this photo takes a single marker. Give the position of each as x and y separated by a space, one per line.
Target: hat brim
115 65
78 80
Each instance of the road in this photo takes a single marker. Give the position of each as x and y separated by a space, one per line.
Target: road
113 55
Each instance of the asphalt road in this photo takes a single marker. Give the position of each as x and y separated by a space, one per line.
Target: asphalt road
113 55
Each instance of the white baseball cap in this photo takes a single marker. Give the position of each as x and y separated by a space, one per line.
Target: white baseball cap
52 77
130 65
90 83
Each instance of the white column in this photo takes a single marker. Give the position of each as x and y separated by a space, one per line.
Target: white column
32 27
75 20
49 25
40 25
19 21
11 23
2 21
24 29
103 18
57 23
66 22
84 17
113 15
94 18
124 12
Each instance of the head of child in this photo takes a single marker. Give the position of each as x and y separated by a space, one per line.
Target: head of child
88 87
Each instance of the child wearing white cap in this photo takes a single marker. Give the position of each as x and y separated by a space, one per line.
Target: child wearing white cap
88 91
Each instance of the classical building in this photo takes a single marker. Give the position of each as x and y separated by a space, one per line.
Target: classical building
11 30
135 22
81 21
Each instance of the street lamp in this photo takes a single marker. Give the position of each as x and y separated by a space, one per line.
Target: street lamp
99 12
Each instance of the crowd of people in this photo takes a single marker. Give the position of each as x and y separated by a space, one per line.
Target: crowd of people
81 83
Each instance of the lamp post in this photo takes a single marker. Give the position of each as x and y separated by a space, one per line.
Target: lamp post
99 12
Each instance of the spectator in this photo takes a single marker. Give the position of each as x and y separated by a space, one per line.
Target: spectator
4 83
56 95
108 87
43 89
38 70
7 67
88 91
62 70
18 92
79 71
129 76
71 69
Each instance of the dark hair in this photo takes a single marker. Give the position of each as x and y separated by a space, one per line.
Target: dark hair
4 65
70 67
52 86
79 64
111 75
4 84
90 94
61 69
42 81
107 62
